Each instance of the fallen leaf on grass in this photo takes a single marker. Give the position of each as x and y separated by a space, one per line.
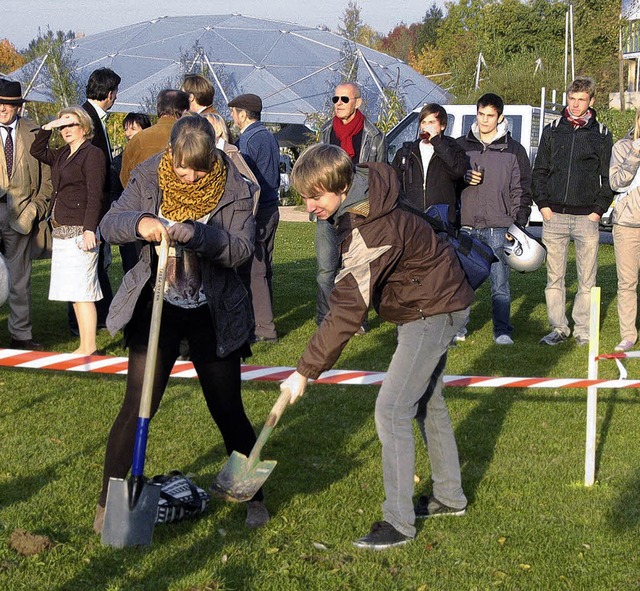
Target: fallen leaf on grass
499 574
502 540
422 588
272 550
319 546
525 566
28 544
587 546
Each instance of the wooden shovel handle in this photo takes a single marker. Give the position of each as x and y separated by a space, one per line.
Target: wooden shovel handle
154 332
271 422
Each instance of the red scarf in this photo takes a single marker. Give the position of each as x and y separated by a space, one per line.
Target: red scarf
346 132
577 121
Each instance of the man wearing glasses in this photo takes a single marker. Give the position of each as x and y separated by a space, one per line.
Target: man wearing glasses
364 142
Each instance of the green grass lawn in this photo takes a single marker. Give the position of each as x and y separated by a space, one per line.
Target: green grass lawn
531 524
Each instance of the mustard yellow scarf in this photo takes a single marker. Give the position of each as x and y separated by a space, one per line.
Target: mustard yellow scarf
182 201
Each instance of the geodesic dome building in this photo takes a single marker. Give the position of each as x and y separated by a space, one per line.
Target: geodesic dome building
293 68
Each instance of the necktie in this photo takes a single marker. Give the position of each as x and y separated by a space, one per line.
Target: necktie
8 150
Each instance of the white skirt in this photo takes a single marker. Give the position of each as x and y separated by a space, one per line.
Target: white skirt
74 272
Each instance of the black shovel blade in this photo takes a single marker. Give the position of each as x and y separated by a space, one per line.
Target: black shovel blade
129 521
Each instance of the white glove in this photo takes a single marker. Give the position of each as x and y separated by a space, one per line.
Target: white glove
296 383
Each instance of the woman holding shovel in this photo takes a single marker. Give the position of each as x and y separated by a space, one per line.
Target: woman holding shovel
195 198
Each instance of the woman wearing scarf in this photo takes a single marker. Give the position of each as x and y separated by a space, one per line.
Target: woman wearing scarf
195 197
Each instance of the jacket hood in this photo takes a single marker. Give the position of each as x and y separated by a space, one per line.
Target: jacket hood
501 130
373 193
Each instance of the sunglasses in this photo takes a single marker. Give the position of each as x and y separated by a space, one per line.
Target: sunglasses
68 125
344 99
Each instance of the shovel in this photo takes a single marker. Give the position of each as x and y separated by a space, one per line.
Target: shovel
242 476
132 506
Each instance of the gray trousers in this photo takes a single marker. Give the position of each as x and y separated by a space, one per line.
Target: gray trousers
556 235
16 248
413 389
257 274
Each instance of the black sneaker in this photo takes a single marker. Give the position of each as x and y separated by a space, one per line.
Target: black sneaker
553 338
432 507
382 535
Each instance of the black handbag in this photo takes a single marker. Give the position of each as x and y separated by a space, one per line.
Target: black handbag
180 498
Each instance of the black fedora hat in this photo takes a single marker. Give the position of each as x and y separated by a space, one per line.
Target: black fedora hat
10 92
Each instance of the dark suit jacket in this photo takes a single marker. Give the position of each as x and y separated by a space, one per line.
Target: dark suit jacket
100 141
78 182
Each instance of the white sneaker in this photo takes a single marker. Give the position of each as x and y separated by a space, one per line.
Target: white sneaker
461 337
503 339
624 345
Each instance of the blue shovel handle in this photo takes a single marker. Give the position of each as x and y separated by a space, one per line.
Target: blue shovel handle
142 428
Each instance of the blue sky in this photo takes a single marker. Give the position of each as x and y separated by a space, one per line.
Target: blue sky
20 20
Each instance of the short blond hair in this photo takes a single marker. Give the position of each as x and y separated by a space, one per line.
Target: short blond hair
322 168
219 125
83 118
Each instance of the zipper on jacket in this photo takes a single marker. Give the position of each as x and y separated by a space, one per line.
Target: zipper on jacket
566 189
424 179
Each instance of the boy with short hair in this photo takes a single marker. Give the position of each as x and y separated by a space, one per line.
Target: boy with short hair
391 259
498 193
571 188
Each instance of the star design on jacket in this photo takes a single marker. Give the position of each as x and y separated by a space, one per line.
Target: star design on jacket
357 262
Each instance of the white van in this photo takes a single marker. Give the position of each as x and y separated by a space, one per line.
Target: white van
524 125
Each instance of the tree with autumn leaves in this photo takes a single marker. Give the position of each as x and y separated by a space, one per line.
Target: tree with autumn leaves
10 58
522 43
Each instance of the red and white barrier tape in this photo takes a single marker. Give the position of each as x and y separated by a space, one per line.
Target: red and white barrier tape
107 364
627 355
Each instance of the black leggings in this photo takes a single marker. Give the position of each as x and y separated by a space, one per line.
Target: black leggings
219 379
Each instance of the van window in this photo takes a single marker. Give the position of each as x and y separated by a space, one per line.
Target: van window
405 131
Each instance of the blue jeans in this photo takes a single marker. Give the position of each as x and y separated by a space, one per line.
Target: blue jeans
500 288
412 389
328 257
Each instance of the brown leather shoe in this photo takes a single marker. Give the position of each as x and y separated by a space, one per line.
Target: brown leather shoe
98 522
257 514
26 344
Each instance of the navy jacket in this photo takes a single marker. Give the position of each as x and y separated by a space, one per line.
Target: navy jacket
261 152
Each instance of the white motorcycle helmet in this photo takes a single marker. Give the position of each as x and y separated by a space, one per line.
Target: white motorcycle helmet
523 253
